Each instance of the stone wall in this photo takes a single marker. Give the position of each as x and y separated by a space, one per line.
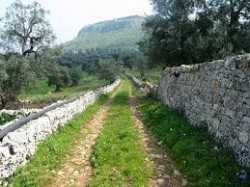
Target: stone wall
145 87
215 95
18 146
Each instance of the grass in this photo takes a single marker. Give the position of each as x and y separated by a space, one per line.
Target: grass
192 148
118 159
4 118
39 90
152 75
38 172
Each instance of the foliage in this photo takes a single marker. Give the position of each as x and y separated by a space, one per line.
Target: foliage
26 27
109 69
194 31
14 74
152 75
197 155
39 94
48 157
89 59
4 118
25 31
75 74
58 76
104 40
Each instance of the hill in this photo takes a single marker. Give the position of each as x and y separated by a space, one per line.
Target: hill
121 33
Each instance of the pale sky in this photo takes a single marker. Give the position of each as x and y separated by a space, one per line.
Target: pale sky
67 17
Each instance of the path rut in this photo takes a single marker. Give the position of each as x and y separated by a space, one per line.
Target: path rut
165 174
76 169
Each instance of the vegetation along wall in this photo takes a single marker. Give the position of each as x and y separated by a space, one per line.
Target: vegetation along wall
215 95
17 147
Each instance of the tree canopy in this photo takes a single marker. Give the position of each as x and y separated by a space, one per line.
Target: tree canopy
194 31
26 28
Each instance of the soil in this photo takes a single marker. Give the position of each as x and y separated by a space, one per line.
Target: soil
76 169
165 174
39 103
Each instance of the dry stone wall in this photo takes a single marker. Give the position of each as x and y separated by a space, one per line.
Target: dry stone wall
215 95
18 146
145 87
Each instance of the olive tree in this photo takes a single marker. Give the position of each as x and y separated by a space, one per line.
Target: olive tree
195 31
26 28
109 69
14 73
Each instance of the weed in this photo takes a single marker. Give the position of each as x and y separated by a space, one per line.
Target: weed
39 92
38 172
118 159
196 154
4 118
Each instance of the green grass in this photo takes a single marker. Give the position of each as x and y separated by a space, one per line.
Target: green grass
38 172
152 75
39 89
118 159
4 118
192 148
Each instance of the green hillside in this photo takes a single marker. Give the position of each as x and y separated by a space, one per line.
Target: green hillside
122 33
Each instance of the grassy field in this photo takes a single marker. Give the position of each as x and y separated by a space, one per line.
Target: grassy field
38 172
196 154
118 159
152 75
40 94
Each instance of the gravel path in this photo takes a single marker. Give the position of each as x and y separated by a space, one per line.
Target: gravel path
76 169
165 174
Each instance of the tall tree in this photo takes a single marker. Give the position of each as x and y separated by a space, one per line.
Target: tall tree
26 28
194 31
233 16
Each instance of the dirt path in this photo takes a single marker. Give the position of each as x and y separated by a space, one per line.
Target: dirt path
76 169
165 175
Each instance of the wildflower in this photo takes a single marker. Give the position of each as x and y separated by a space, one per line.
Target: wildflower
242 175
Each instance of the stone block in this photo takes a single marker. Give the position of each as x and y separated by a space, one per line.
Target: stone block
217 93
20 145
246 120
244 138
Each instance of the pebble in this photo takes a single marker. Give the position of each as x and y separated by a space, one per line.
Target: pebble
157 156
76 172
60 173
160 181
184 182
159 143
166 176
177 173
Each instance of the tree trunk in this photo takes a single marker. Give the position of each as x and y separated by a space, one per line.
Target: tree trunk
2 102
58 88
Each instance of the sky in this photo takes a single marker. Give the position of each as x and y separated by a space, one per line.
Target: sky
67 17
